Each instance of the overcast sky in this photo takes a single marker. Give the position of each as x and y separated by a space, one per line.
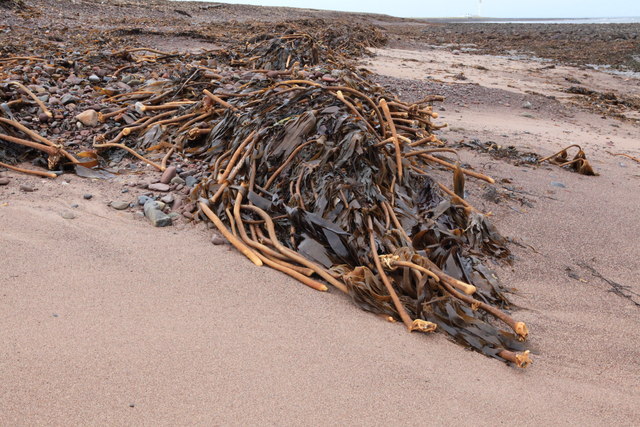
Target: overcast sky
455 8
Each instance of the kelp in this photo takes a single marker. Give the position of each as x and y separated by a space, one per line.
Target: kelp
306 166
579 163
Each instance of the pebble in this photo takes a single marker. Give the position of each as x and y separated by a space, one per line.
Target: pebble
217 239
558 184
158 186
167 199
527 105
143 199
4 180
68 215
27 188
88 118
73 80
154 214
68 99
43 118
168 174
190 181
94 79
87 196
177 180
177 204
75 205
119 205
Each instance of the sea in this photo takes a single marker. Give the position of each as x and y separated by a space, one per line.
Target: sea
624 20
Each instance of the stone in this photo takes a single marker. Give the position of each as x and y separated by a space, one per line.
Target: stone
143 199
88 196
527 105
68 215
177 204
168 199
94 79
120 206
158 186
88 118
217 239
168 174
154 214
27 188
177 180
73 80
4 180
68 99
558 184
190 181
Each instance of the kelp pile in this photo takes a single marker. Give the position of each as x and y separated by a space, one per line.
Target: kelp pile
307 167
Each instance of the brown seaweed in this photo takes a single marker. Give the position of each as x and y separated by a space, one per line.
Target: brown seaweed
306 166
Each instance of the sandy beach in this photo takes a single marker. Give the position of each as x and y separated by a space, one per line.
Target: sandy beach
106 320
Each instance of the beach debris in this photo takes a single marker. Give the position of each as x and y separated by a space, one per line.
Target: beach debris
618 289
304 165
579 163
628 156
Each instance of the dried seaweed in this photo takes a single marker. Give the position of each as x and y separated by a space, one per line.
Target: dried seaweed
309 168
579 163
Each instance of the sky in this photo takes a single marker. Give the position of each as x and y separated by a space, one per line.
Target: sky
457 8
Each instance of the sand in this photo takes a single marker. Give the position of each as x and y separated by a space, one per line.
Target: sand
105 320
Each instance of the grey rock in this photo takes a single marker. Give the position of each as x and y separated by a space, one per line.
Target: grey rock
191 181
75 205
4 180
168 174
94 79
143 199
159 187
68 215
154 214
68 99
558 184
173 215
119 205
527 105
88 196
177 180
168 199
27 188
